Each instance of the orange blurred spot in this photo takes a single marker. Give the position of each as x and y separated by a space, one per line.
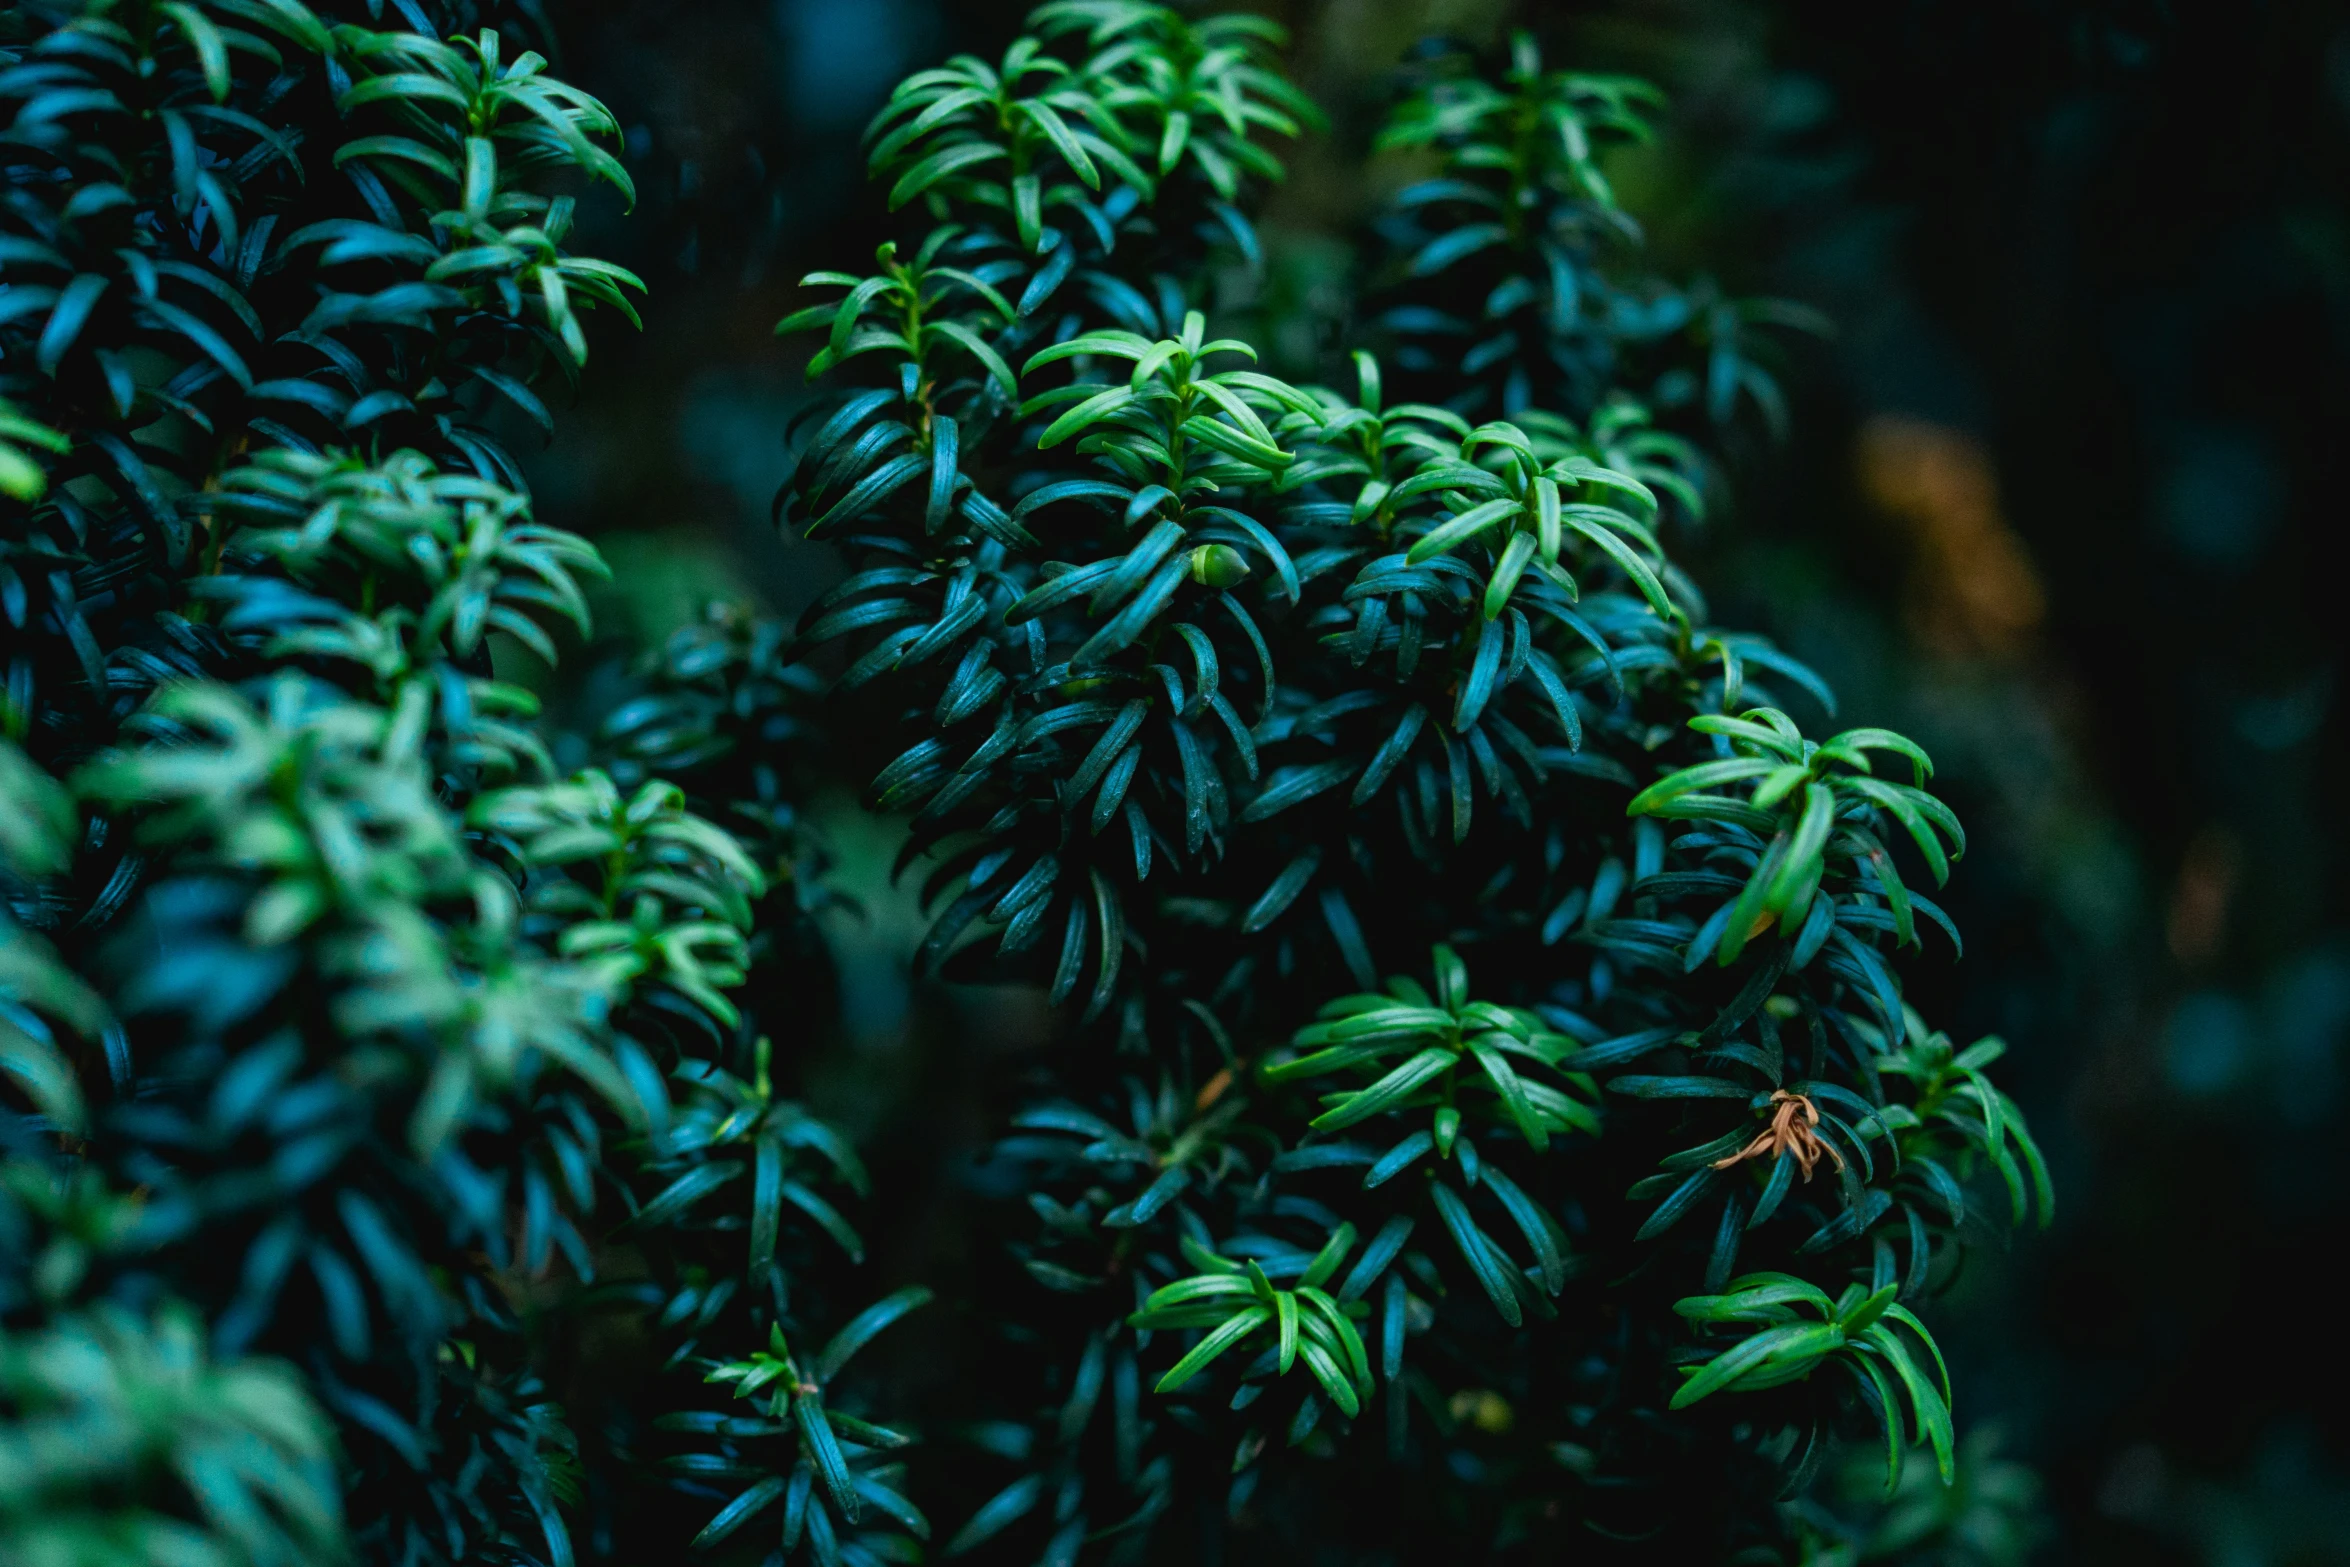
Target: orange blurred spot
2198 923
1972 587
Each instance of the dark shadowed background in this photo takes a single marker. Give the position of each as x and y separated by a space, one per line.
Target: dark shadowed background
2053 501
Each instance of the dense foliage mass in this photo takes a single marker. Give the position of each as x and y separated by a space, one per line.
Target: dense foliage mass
1488 1121
345 1023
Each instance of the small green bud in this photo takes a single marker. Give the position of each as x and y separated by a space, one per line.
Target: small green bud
1447 1129
1217 566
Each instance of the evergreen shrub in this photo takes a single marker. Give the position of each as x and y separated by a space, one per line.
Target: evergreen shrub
1484 1119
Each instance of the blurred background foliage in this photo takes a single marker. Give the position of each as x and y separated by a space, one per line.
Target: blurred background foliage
2052 504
